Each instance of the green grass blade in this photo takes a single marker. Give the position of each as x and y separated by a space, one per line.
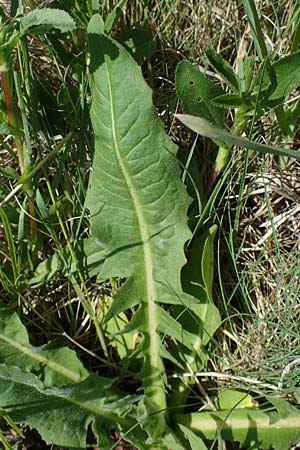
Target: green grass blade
113 15
4 442
201 126
10 243
259 41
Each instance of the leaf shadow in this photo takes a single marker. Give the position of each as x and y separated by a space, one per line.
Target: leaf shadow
100 46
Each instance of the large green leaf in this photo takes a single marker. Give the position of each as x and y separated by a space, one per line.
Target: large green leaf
137 203
54 364
63 415
48 388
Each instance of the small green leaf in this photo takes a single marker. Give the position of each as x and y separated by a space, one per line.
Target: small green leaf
249 65
90 256
228 101
46 270
229 399
196 91
9 37
197 274
138 41
203 319
95 6
223 69
9 172
207 262
284 408
195 441
206 129
124 343
44 20
6 129
221 159
113 15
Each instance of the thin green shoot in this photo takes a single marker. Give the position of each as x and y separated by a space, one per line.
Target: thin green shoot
203 127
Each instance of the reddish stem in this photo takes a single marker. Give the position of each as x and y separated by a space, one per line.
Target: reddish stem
11 115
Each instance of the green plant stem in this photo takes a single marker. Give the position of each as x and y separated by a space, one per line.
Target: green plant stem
11 245
27 158
244 424
4 442
253 19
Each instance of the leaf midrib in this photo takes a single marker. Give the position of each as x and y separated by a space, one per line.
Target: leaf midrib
42 360
96 407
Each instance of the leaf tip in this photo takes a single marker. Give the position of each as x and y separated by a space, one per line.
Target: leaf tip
198 125
96 25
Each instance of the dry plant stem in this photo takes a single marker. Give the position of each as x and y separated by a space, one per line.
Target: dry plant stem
226 376
286 371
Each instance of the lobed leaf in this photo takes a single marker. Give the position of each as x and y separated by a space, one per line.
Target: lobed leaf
137 203
54 364
63 415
